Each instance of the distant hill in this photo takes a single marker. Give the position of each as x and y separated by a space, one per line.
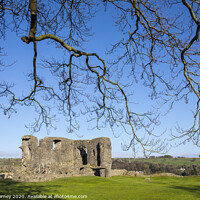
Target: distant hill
10 161
155 165
163 160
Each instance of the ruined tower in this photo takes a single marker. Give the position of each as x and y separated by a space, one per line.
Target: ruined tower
55 155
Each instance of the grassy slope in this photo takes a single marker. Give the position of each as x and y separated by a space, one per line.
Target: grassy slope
98 188
166 161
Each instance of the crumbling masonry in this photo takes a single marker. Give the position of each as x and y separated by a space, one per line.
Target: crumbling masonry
56 155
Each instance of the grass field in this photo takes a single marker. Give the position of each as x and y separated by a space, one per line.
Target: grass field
119 188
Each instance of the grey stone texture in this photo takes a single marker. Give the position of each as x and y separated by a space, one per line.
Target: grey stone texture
62 156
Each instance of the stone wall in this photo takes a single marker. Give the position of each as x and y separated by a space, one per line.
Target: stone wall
124 172
55 155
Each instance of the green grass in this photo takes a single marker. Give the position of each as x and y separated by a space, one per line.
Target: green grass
166 161
119 188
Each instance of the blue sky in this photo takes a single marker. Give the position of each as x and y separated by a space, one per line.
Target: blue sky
105 33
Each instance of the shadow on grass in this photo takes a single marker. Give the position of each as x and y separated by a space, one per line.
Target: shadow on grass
194 189
19 190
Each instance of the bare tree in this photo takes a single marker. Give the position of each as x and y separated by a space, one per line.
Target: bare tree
151 36
162 33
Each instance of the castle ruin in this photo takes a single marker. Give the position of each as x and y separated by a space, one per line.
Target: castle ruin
56 155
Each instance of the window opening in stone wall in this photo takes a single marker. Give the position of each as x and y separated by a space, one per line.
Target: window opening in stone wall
83 153
98 155
25 139
93 152
56 144
97 172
